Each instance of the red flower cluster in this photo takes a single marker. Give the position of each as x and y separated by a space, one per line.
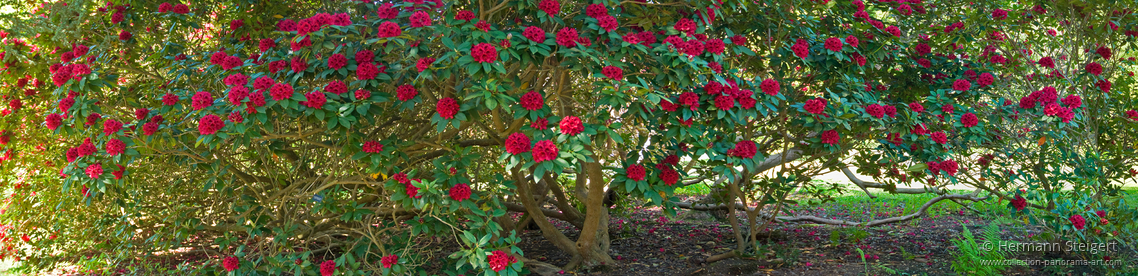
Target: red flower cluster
815 105
939 137
298 64
424 64
669 176
230 263
236 117
149 128
999 14
389 260
94 170
724 102
923 49
770 87
613 72
337 61
1078 221
447 108
550 7
961 85
500 260
328 268
532 101
406 92
715 46
111 127
875 110
690 99
1104 52
801 48
460 192
1046 62
280 91
387 11
1072 101
744 149
544 150
1094 68
607 22
635 172
985 79
1103 85
517 143
210 124
571 125
464 15
1132 114
363 94
115 147
833 44
893 30
831 137
969 119
567 37
389 29
336 87
314 100
236 79
596 10
484 52
367 71
685 25
420 19
1019 203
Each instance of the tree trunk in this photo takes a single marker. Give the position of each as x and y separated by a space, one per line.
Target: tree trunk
592 246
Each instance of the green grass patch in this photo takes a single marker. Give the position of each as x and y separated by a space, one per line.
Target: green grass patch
698 189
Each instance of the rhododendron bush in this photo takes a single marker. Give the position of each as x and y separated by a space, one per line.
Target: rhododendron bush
347 137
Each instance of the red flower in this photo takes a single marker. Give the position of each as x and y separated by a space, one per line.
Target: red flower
1019 203
852 41
406 92
833 44
690 99
164 7
280 91
948 108
770 86
498 260
1132 114
539 123
635 172
298 64
1046 62
801 48
517 143
181 9
447 108
685 25
372 147
210 124
389 29
961 85
969 119
389 260
1103 85
230 263
364 56
715 66
1073 101
124 35
669 176
1104 52
744 149
420 19
550 7
1094 68
328 268
831 137
423 64
613 72
532 101
367 71
999 14
484 52
460 192
939 137
111 127
94 170
724 102
1078 222
337 61
985 79
236 117
893 30
716 46
607 22
464 15
544 150
362 94
149 128
875 110
387 11
571 125
314 100
905 9
534 33
336 87
411 190
115 147
482 25
815 106
567 37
